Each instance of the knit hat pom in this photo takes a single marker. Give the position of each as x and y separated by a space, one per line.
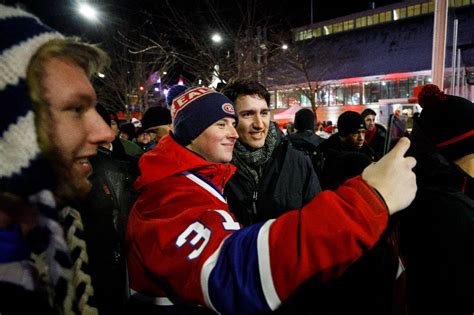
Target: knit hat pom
430 95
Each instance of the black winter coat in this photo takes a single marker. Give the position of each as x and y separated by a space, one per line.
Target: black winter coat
341 162
104 214
288 183
437 236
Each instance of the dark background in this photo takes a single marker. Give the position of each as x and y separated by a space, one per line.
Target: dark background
120 14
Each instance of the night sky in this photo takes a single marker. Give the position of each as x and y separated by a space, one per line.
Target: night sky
120 14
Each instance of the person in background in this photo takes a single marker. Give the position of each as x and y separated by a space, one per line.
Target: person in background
375 134
437 232
120 148
157 122
305 138
144 140
49 131
127 131
188 255
345 153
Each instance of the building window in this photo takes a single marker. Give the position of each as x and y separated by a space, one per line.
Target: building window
317 32
338 27
348 25
375 19
362 22
425 8
338 94
372 92
413 10
403 88
392 88
385 17
432 6
352 94
403 13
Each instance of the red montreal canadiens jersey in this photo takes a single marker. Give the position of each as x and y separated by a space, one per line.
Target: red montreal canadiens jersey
184 243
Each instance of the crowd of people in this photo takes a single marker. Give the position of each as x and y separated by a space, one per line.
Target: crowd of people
205 206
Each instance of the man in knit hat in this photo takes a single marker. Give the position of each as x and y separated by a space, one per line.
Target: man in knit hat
48 131
157 122
345 153
188 255
437 234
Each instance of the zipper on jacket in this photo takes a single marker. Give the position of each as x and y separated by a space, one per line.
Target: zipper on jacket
254 202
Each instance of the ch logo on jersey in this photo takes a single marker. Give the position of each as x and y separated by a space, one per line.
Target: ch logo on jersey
228 108
182 101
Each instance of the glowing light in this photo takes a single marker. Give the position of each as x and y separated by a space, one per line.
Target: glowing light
216 38
88 11
100 75
284 46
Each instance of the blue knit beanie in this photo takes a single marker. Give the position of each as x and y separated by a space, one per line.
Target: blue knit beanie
197 109
23 169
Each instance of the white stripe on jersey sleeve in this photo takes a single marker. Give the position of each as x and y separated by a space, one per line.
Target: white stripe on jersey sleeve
268 287
206 273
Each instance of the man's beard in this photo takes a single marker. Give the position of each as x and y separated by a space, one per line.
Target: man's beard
69 185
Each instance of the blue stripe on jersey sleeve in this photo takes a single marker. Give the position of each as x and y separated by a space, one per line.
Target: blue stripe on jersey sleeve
234 284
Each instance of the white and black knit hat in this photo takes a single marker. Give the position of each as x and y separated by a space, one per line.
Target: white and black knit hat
23 169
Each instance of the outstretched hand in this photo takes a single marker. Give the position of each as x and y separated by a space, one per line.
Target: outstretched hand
393 178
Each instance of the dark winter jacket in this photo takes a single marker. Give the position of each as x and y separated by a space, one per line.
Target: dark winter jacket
288 183
105 212
305 140
342 162
437 235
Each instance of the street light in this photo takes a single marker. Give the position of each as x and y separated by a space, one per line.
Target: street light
284 46
216 38
88 11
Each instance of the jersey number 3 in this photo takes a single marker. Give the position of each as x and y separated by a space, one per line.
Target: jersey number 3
203 233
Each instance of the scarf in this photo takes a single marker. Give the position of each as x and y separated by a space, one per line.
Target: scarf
369 135
252 162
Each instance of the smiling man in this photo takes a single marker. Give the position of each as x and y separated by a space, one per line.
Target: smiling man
48 131
188 255
272 176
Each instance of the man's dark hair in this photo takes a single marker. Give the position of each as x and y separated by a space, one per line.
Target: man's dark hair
245 87
368 112
305 120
